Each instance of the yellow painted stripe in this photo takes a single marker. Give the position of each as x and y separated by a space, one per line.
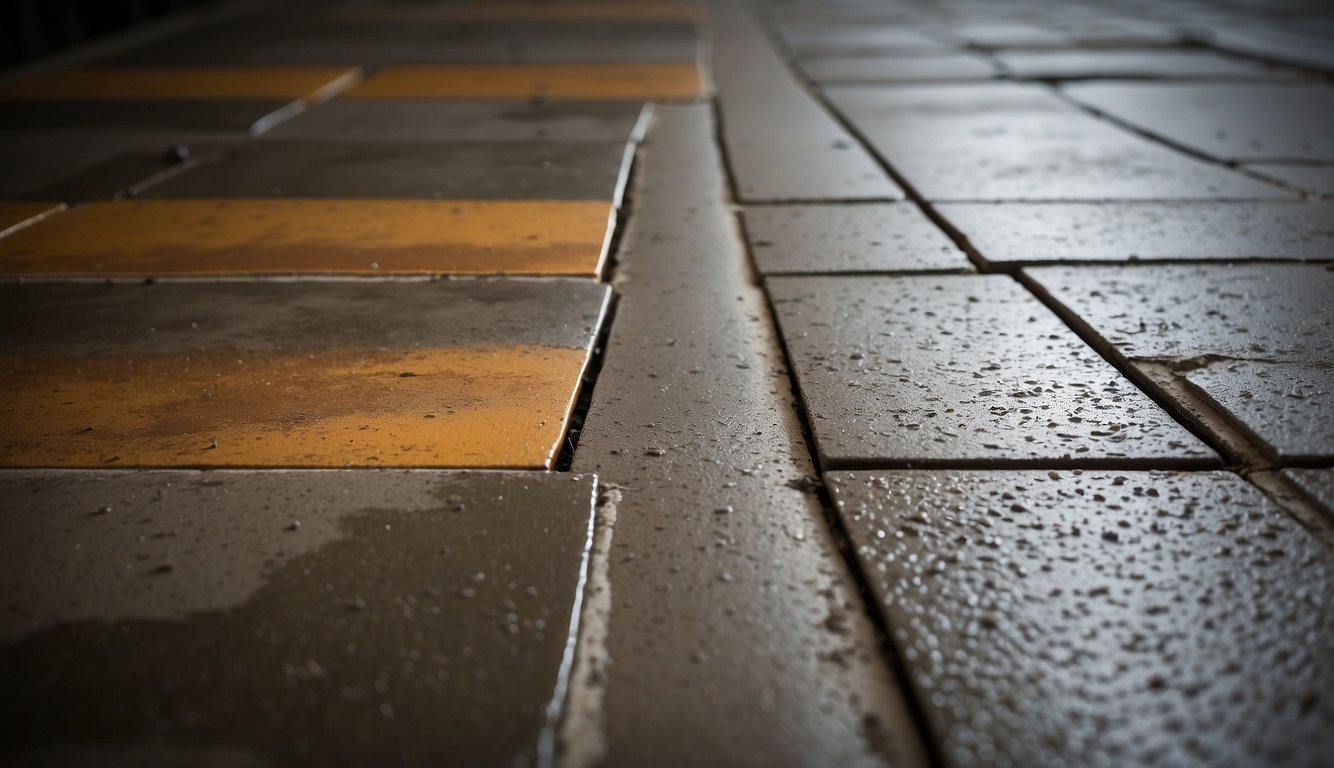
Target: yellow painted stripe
16 215
182 84
460 407
593 82
577 12
222 237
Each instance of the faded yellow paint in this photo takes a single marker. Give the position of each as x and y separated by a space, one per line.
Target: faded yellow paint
458 407
16 215
517 11
311 84
244 236
590 82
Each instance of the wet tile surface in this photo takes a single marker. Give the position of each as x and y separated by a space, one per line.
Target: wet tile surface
1230 121
883 69
1318 484
1318 179
277 237
502 11
1103 618
153 616
342 169
1287 408
781 144
1129 63
1025 233
464 121
180 83
856 39
863 238
1011 142
651 81
916 371
14 216
468 374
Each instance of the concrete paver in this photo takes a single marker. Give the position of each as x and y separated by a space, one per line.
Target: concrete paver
1027 233
728 603
15 216
971 371
467 374
894 237
313 84
897 69
951 145
1231 121
650 81
342 169
1318 483
1318 179
244 116
431 120
565 12
278 617
782 146
843 39
1301 47
282 237
1100 618
1256 339
1128 63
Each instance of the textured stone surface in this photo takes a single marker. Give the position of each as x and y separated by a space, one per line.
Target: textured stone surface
1127 63
1288 408
1012 142
887 69
914 371
1024 233
863 238
1231 121
856 39
731 617
1311 178
1101 618
280 617
1318 483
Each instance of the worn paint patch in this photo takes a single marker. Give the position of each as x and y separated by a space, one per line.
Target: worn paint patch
480 407
181 83
219 237
595 82
16 215
521 11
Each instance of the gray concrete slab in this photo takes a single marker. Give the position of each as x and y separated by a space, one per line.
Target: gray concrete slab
459 170
1232 121
1273 312
282 617
781 143
1101 618
731 617
1287 408
243 116
1006 34
1129 63
1015 145
1317 179
1299 47
897 69
963 371
823 38
491 121
1028 233
1317 483
83 164
894 237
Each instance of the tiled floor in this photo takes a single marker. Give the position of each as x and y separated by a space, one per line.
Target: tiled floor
574 383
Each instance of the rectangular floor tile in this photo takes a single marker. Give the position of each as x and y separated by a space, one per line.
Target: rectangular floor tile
1129 63
80 164
453 374
16 215
817 38
250 116
963 371
893 237
181 84
958 146
1027 233
563 82
490 121
1225 120
897 69
1115 618
288 617
1317 483
528 11
1316 179
276 237
457 170
1256 340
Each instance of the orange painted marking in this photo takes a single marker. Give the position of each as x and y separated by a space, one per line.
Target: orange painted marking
223 237
461 407
182 84
17 215
576 12
592 82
